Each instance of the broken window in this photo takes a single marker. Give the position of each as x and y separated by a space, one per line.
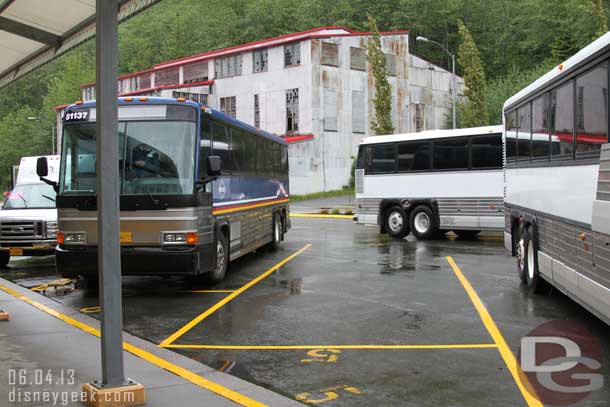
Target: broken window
292 110
134 83
358 100
257 112
228 106
330 109
228 66
292 54
195 72
259 60
195 97
167 77
390 64
357 58
330 54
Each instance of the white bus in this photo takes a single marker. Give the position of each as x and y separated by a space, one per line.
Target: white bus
431 182
557 193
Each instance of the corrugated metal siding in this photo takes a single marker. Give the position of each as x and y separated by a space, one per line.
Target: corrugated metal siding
603 183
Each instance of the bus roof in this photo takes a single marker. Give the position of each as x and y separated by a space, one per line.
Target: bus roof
432 134
589 52
150 100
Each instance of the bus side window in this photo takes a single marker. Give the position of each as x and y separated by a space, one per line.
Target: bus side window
540 128
592 111
383 158
414 156
486 151
562 121
524 133
511 136
220 146
204 149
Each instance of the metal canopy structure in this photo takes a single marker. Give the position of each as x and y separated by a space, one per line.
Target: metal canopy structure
34 32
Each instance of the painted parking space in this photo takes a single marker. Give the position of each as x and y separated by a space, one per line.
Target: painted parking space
354 319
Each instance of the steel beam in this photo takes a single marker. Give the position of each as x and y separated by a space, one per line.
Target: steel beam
107 166
29 32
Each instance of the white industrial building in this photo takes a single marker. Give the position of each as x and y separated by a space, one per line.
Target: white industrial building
314 88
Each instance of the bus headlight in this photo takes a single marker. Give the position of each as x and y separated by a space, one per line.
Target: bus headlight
71 238
180 238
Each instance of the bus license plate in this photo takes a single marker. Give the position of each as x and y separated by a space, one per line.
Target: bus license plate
15 251
126 237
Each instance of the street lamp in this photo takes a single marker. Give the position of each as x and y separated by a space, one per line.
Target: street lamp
52 132
454 89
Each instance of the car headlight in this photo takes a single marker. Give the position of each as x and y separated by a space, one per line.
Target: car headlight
72 238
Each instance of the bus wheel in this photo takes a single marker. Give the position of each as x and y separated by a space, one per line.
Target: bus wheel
520 249
396 222
535 283
422 222
222 259
277 232
4 258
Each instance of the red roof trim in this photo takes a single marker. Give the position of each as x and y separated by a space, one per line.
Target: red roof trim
298 138
282 39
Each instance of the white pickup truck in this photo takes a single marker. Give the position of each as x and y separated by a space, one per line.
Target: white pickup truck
28 218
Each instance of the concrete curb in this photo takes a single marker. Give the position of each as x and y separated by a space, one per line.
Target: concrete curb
245 388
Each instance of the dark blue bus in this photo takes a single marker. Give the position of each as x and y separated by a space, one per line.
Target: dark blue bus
182 213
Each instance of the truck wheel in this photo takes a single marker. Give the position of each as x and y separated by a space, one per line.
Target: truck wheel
396 222
4 258
222 260
278 226
534 281
422 223
520 249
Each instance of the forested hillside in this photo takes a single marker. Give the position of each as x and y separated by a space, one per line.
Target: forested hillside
518 40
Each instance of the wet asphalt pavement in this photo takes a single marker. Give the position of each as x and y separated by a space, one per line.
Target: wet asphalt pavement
350 320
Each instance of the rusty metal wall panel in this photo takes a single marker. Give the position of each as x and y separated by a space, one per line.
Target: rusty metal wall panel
330 110
358 112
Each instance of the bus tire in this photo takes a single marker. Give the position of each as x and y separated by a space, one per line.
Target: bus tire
276 234
218 273
396 222
422 223
533 280
5 257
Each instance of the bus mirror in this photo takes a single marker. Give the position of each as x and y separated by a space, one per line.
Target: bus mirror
213 165
42 167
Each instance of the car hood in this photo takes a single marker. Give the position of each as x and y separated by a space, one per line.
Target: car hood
28 214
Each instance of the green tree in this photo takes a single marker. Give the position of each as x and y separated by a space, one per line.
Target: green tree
382 121
474 111
596 9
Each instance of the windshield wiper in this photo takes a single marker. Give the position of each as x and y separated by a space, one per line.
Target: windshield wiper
48 197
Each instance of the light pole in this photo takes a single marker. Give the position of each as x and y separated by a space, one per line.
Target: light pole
52 132
454 89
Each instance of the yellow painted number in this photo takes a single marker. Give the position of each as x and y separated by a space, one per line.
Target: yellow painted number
322 356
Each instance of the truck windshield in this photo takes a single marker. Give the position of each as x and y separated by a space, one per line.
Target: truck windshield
31 196
155 157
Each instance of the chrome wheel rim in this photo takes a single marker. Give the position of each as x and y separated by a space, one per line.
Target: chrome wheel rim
395 222
520 251
422 222
220 256
276 230
530 260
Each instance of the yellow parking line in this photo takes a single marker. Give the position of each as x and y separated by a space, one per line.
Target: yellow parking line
505 352
321 216
176 335
372 347
141 353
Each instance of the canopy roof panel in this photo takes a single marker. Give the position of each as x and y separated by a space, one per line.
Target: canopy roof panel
34 32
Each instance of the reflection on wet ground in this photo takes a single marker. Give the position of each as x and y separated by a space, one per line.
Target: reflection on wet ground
300 331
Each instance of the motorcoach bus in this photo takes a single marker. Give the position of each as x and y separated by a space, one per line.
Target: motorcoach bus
431 182
181 212
557 192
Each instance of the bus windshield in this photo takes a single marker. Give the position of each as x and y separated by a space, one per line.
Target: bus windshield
155 157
